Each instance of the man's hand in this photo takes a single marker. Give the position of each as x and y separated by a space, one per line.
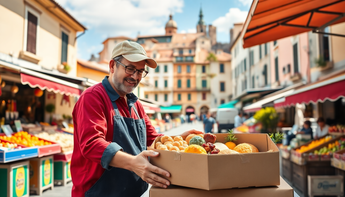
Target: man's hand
148 172
193 131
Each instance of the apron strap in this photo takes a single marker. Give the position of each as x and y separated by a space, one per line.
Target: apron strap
136 112
117 113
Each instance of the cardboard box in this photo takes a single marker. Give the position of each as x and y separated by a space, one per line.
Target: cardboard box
210 172
283 190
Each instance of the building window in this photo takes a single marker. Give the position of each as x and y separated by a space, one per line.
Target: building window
204 83
188 83
324 45
165 68
166 83
179 69
245 64
260 52
189 58
64 47
178 97
156 83
274 43
253 81
265 49
295 58
156 97
31 36
189 97
180 52
146 96
179 83
222 86
276 68
190 51
165 97
203 96
245 83
221 68
179 59
203 69
251 58
157 69
264 72
154 55
188 68
222 101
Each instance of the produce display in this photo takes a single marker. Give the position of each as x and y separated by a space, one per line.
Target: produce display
336 129
8 146
203 144
23 138
313 144
64 140
331 148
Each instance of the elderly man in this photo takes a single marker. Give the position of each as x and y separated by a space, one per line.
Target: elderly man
112 132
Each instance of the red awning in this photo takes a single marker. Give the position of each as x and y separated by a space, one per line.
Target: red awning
148 106
51 86
331 89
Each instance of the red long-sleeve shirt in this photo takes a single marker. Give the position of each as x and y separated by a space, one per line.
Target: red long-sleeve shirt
93 132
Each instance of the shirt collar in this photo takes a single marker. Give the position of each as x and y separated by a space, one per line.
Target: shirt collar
113 95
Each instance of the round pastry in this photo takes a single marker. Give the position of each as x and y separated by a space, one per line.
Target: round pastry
176 144
168 142
190 136
220 146
169 146
228 151
178 138
166 139
158 144
246 148
162 147
174 148
181 148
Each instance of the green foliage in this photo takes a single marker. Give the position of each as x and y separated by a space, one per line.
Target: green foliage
211 57
66 67
320 62
276 137
50 108
230 137
268 117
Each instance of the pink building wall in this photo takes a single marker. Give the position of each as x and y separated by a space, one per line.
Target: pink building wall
284 50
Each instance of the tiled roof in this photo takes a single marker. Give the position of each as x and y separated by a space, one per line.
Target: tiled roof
185 40
222 57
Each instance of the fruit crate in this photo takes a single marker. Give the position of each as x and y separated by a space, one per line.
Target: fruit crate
45 150
285 152
62 168
308 156
14 179
41 174
287 169
338 160
17 154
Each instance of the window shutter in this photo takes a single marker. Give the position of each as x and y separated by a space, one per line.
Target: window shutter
64 47
31 33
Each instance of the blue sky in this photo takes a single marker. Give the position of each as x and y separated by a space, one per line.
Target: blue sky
109 18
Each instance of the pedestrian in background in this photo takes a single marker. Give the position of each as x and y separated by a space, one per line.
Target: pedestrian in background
208 123
238 119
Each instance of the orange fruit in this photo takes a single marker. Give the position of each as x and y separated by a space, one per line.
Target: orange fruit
230 145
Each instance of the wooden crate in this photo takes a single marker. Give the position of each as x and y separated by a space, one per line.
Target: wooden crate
341 173
41 174
326 185
300 173
62 168
287 169
21 153
14 179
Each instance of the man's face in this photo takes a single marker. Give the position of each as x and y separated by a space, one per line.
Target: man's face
123 82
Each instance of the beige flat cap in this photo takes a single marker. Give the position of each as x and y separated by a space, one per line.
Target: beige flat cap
133 52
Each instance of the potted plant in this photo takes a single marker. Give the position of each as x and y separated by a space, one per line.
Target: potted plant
50 108
296 76
64 67
268 117
322 64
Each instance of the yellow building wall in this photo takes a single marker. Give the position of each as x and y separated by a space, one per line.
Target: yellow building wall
90 73
184 98
48 46
338 43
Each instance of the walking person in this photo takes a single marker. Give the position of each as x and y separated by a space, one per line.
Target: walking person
208 123
112 132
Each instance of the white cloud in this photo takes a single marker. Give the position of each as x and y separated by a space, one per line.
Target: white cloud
224 23
183 31
193 30
123 17
246 2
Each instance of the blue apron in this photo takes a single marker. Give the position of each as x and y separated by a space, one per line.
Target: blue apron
130 134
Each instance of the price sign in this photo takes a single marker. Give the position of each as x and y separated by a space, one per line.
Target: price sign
7 130
18 125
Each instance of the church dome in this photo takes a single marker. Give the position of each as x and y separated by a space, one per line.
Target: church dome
171 23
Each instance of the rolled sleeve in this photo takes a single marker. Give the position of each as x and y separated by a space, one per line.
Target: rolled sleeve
108 154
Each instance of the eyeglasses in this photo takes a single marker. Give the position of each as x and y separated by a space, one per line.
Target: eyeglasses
131 71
